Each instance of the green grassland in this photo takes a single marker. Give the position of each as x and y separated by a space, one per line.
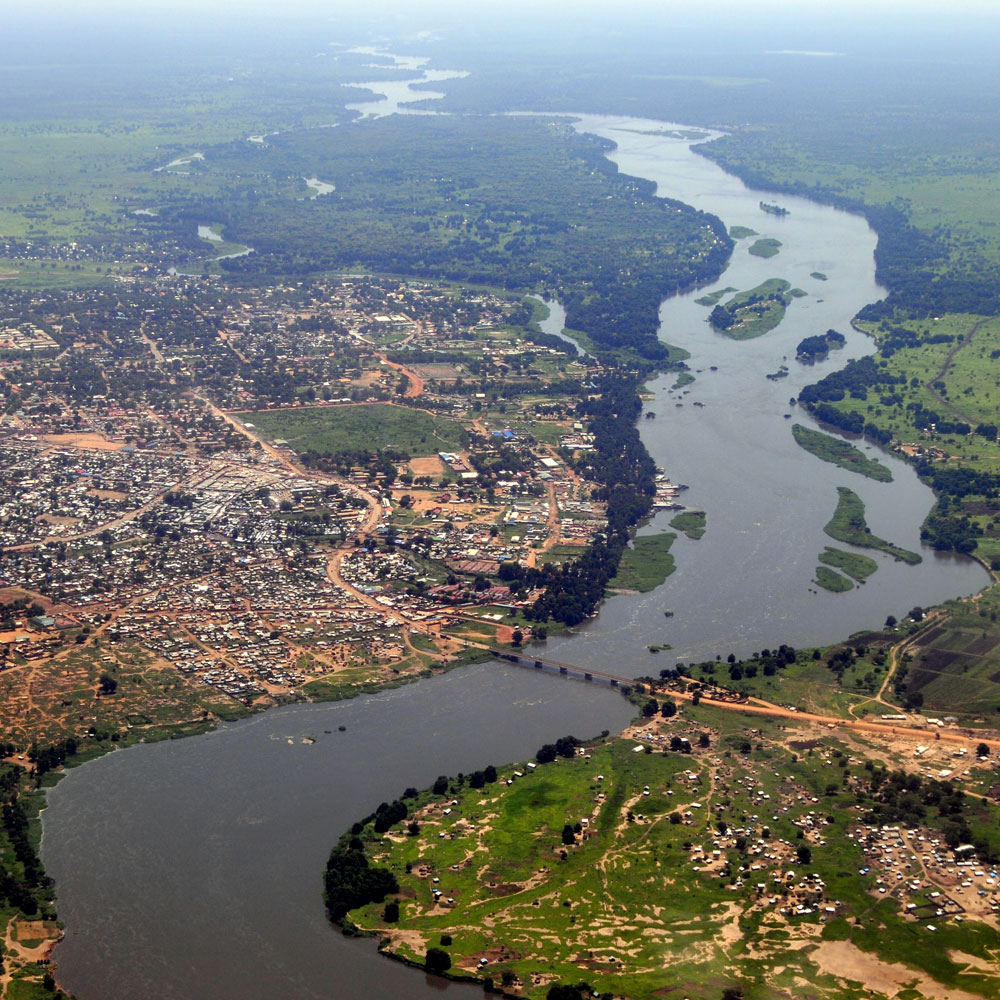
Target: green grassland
691 522
646 563
765 247
741 232
839 453
848 525
623 901
754 312
340 429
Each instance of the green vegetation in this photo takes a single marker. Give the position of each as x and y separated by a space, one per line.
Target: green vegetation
839 453
714 297
773 209
741 232
691 522
817 347
754 312
955 666
646 563
818 275
540 870
848 525
829 580
525 204
766 247
336 430
852 563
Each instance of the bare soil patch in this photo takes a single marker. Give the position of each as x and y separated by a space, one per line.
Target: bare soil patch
429 465
846 961
88 441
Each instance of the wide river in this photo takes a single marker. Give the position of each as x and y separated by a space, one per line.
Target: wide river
193 869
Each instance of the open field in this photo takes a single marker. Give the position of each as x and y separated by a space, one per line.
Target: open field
339 429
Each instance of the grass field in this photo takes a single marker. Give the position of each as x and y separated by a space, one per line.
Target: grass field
339 429
848 525
839 453
646 564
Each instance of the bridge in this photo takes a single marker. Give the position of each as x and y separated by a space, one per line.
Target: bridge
564 669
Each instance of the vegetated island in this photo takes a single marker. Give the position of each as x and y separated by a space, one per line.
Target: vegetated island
691 522
840 453
752 313
818 275
852 563
816 348
741 232
828 579
848 525
766 247
645 564
714 297
773 209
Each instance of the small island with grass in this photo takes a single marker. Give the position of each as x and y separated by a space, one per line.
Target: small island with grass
691 522
754 312
741 232
765 247
848 525
839 453
714 298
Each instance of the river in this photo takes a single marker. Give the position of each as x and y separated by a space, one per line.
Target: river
193 869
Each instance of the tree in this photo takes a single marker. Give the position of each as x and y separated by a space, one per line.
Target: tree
568 836
668 709
803 854
391 912
517 637
108 684
890 621
650 708
982 750
437 961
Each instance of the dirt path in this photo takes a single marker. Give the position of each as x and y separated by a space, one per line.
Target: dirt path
942 371
416 386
